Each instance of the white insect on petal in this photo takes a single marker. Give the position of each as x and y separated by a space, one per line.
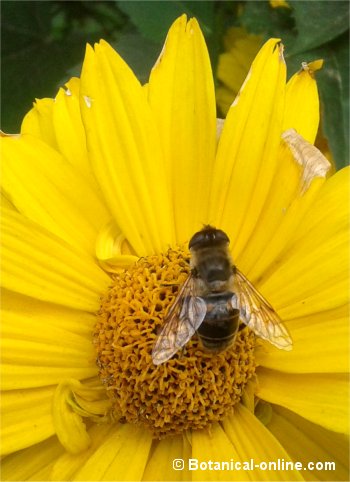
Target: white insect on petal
68 92
311 159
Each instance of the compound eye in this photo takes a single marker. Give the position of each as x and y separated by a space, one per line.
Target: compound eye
208 236
196 240
221 237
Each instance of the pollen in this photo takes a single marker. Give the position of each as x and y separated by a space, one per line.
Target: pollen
193 389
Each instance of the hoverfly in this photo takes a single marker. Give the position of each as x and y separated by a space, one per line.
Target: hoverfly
213 301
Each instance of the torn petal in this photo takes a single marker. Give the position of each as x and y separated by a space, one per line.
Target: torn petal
70 428
112 249
311 159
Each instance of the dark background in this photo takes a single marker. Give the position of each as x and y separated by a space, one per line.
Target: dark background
43 43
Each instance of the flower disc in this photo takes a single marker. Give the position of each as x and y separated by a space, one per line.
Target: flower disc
194 388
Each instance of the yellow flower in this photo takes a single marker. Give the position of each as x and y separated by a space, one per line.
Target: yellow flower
111 172
240 50
279 3
233 66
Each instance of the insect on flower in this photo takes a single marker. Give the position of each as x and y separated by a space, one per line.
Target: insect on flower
213 301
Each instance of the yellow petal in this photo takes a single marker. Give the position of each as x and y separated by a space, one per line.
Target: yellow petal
253 440
234 64
232 71
38 122
215 446
325 332
302 105
289 226
27 376
6 202
44 187
34 343
69 426
332 201
42 474
124 150
224 98
112 250
68 464
25 418
181 94
320 398
312 275
58 123
69 128
27 464
122 456
37 264
279 3
302 114
49 314
310 159
307 442
250 140
161 464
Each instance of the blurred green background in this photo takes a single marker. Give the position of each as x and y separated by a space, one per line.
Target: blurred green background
43 46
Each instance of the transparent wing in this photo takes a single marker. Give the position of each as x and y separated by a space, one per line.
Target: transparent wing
257 313
184 317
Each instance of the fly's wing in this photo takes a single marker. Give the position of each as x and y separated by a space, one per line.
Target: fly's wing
185 316
257 313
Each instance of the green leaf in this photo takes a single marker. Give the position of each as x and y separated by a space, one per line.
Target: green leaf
41 43
260 18
333 82
311 30
153 18
140 60
318 22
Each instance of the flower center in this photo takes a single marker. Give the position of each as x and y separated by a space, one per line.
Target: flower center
190 391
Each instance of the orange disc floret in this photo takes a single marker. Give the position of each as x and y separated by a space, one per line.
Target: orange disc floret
193 389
